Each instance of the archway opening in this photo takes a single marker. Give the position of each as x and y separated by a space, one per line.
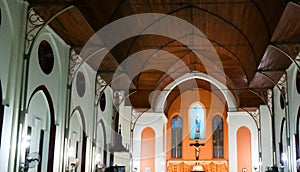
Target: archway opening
244 155
148 150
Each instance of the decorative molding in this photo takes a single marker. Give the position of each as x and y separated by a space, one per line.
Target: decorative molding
134 117
256 116
270 99
282 80
75 61
100 85
213 165
283 88
34 24
118 97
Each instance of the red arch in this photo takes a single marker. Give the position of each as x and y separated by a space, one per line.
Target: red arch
148 149
244 155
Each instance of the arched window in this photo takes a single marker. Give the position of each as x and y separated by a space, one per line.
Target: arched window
218 137
176 137
197 122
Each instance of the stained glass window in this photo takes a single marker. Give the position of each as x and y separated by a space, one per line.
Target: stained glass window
218 137
176 137
197 122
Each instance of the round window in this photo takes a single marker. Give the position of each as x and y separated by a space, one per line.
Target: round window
282 97
46 57
102 101
282 101
80 84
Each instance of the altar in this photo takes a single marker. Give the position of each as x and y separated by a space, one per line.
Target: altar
187 166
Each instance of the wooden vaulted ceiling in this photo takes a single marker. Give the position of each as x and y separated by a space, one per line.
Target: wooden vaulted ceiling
256 41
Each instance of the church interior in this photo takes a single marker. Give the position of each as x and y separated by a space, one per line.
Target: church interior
150 85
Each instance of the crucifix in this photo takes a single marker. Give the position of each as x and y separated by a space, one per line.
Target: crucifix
197 148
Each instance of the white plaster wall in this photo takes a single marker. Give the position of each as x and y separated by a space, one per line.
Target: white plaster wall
87 105
106 117
278 116
75 135
38 117
235 121
157 122
11 46
293 106
55 82
125 121
12 43
12 39
266 137
293 102
93 114
87 102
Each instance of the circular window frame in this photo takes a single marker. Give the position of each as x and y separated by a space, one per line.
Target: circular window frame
45 57
282 101
80 84
102 102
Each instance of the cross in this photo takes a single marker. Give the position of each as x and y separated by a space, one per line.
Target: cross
197 148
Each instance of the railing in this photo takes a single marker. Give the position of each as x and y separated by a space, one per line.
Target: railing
187 166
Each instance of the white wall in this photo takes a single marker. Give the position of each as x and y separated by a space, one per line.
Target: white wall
87 105
12 57
156 121
55 83
11 46
125 121
266 137
106 117
294 104
290 112
279 115
235 121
